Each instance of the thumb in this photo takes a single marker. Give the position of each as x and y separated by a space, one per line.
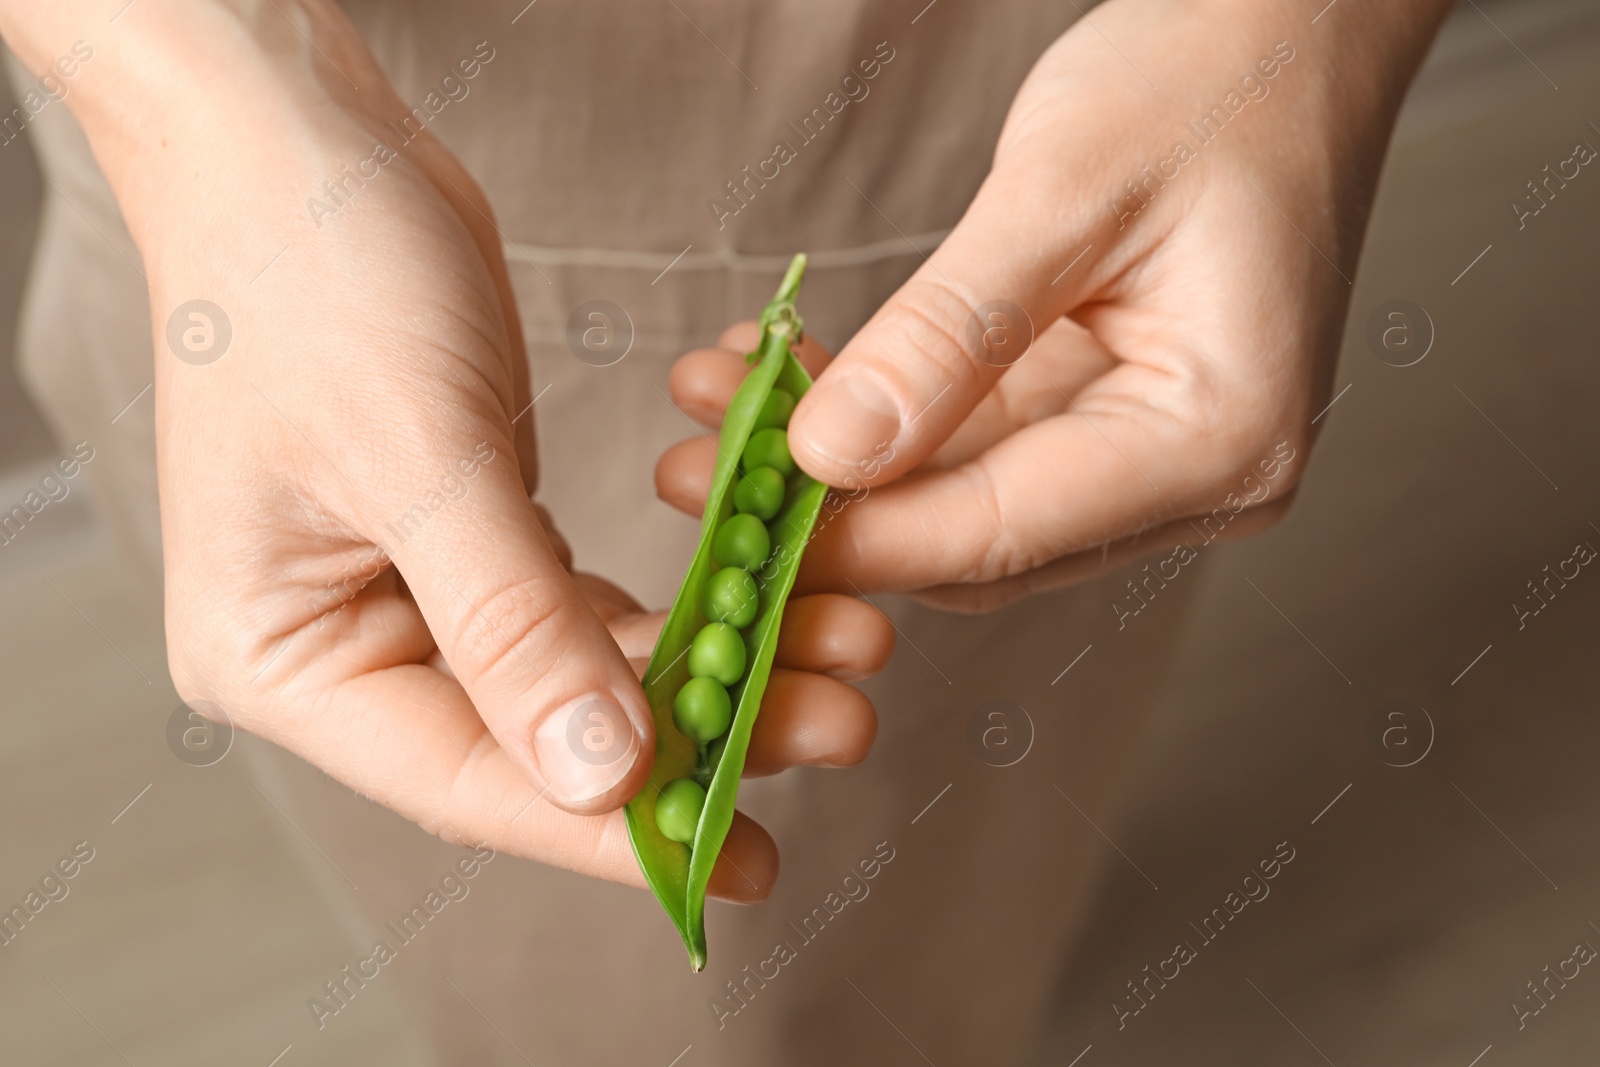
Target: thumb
537 662
919 366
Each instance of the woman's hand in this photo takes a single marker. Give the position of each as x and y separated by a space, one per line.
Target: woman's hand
354 568
1173 215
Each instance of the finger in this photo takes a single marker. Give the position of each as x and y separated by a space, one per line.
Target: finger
809 720
1063 361
1007 513
747 867
703 381
1169 541
683 475
558 543
409 738
835 635
616 609
544 674
921 364
826 638
827 634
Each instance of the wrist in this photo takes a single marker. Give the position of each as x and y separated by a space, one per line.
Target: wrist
1354 67
178 98
1359 60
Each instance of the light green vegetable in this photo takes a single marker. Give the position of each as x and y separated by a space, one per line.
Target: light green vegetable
705 642
717 651
732 597
678 809
769 448
742 542
702 710
775 410
760 492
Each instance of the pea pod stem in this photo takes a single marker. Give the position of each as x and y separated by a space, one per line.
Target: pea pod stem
780 322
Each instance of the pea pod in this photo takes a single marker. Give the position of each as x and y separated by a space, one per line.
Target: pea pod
678 871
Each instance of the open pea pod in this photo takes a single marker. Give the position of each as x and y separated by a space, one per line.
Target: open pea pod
676 844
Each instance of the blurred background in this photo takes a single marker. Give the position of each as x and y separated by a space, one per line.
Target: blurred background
1355 689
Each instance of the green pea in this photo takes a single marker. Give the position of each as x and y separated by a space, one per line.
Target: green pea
759 492
702 710
769 448
678 809
731 597
742 541
775 410
717 651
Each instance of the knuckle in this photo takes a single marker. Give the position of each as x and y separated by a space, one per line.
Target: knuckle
453 799
501 635
859 732
205 655
226 672
1245 431
924 329
991 540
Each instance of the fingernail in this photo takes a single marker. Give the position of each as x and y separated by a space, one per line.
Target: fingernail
585 748
852 420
